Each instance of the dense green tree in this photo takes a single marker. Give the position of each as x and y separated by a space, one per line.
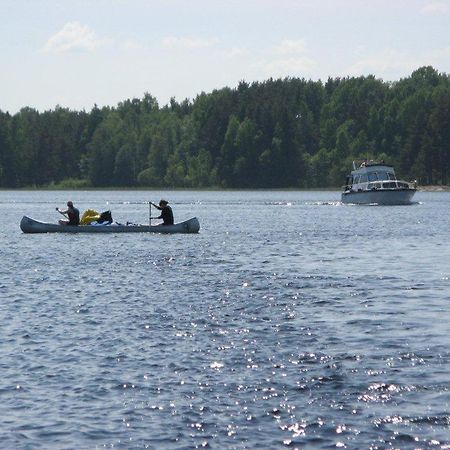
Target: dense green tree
229 152
201 172
276 133
439 134
125 166
8 165
108 139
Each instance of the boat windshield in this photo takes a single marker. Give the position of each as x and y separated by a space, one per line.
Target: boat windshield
373 176
383 176
386 176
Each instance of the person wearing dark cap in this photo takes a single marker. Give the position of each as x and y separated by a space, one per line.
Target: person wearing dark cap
71 213
166 212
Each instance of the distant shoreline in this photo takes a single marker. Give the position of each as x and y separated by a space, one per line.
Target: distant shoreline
434 188
431 188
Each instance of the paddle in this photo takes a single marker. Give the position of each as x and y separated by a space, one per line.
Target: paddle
63 214
150 213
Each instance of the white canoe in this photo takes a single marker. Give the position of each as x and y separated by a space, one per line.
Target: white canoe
29 225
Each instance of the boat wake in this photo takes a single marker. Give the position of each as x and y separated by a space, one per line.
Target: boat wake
335 203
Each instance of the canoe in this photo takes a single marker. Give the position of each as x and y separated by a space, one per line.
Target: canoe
29 225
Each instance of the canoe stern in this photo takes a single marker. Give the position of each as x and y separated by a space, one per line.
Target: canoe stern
26 225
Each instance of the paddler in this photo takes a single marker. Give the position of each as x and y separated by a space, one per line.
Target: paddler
71 213
166 212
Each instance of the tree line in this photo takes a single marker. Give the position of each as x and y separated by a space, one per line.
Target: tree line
280 133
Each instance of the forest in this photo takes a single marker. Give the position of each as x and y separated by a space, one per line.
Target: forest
279 133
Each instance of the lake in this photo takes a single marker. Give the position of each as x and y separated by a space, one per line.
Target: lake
289 321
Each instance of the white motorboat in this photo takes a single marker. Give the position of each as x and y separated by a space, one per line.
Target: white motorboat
376 183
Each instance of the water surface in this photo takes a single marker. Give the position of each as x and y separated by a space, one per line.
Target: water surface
289 321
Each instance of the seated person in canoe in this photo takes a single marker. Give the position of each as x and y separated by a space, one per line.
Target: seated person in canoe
166 212
71 213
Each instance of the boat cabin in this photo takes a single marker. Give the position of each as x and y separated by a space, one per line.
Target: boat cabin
373 176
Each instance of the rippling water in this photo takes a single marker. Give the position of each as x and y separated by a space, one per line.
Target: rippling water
289 321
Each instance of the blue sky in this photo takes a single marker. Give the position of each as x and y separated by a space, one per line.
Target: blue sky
77 53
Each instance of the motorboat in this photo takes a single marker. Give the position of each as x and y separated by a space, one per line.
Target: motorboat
376 183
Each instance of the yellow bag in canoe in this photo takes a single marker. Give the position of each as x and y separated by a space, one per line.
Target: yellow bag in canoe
89 216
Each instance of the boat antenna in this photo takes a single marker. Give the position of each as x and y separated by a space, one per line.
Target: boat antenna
354 165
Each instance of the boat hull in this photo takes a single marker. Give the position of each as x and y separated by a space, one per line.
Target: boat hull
379 197
29 225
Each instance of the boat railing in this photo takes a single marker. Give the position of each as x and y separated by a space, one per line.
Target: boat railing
380 185
391 184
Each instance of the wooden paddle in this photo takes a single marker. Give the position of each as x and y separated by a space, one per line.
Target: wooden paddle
57 209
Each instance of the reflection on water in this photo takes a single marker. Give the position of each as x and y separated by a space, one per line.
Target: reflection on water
291 320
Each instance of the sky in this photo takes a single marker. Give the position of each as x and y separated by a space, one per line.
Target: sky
80 53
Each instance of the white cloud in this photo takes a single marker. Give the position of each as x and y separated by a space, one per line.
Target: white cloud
235 52
289 46
285 59
435 8
73 36
290 67
187 43
386 62
441 54
131 45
